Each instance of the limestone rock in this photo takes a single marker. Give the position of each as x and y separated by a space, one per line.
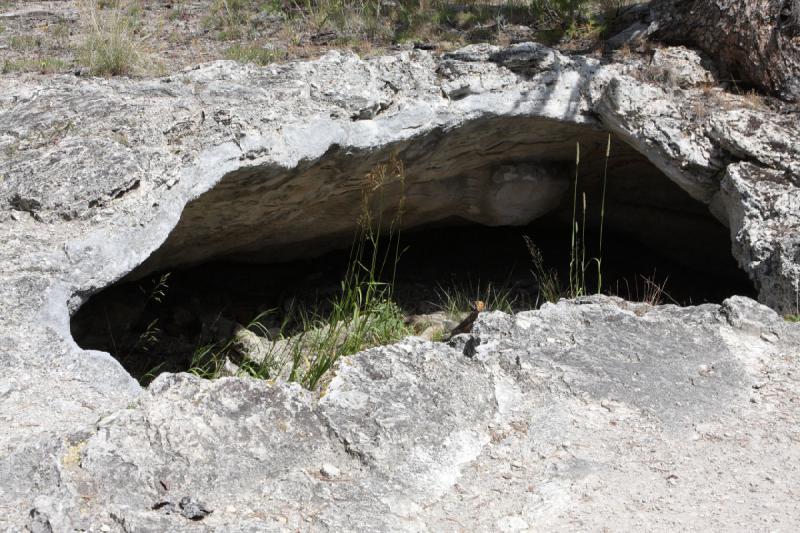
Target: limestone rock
414 435
684 66
748 189
560 416
754 41
250 346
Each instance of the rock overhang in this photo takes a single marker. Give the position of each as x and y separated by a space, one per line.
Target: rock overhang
135 152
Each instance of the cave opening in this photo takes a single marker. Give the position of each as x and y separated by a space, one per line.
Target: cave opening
160 322
257 260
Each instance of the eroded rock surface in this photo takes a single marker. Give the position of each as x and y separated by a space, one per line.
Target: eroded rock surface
576 414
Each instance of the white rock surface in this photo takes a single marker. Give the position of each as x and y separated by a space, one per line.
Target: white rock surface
581 415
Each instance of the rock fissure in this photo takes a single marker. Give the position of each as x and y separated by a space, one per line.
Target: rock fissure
334 435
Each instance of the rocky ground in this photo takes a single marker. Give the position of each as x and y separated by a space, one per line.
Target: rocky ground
595 414
589 414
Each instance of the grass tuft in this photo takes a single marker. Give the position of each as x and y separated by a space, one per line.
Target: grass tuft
42 66
253 54
645 289
25 43
362 315
110 47
549 286
457 300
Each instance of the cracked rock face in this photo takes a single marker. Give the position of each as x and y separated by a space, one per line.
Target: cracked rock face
596 412
755 41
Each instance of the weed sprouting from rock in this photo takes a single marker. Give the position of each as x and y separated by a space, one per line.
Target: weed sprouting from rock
133 345
645 289
457 300
550 288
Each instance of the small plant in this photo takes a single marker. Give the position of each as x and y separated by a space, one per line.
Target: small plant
578 262
134 344
321 345
549 286
231 18
457 300
364 314
792 318
159 290
576 277
645 289
60 34
209 360
151 374
177 13
252 54
25 42
361 316
652 291
602 217
110 47
149 336
42 66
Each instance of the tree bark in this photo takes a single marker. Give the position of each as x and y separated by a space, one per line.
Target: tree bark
753 41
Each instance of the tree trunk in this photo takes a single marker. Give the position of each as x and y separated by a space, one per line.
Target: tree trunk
753 41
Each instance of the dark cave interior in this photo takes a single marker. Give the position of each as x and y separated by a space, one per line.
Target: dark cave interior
448 257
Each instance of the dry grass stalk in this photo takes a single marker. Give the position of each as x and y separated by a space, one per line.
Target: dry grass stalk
110 47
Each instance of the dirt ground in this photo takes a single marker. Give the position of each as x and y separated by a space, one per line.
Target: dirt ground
154 37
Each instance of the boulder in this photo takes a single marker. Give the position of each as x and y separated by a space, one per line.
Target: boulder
755 42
